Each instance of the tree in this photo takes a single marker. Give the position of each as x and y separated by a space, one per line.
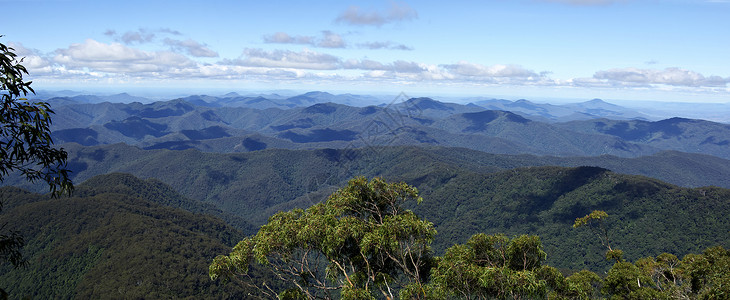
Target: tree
359 244
25 137
594 221
25 144
696 276
497 267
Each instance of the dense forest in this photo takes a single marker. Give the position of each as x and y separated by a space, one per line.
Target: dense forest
117 237
116 228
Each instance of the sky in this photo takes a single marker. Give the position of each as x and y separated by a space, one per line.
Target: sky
654 50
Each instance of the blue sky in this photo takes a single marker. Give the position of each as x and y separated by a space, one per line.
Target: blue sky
672 50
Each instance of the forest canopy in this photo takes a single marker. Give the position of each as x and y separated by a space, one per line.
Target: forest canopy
362 244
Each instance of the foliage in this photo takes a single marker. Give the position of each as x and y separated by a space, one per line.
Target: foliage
25 135
493 266
109 242
594 221
358 244
696 276
10 244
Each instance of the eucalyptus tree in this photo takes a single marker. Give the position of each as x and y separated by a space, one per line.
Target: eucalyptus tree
359 244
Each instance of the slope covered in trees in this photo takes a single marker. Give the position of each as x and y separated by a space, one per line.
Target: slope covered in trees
647 216
115 238
277 179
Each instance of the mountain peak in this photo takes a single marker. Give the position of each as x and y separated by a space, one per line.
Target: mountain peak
488 116
317 94
231 95
321 108
428 103
597 102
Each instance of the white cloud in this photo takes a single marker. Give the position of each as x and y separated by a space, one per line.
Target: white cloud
118 58
32 59
364 64
384 45
355 15
398 66
331 40
140 36
328 39
668 76
190 47
463 68
97 61
402 66
284 38
285 59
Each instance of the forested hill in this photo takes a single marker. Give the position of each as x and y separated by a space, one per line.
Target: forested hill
158 192
648 216
112 240
258 184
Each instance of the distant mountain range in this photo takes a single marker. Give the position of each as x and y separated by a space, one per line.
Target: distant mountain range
539 111
227 125
592 109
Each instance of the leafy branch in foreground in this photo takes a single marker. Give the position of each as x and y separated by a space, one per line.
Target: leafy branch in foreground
359 244
25 136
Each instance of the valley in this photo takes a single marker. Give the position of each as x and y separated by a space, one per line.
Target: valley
206 171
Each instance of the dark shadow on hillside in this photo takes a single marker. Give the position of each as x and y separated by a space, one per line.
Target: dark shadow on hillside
320 135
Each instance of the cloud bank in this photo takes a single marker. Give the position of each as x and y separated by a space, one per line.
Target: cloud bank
100 61
668 76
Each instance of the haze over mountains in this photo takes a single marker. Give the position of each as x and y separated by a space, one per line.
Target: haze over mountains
551 109
235 123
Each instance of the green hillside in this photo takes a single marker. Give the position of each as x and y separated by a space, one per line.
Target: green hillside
111 240
647 216
255 185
